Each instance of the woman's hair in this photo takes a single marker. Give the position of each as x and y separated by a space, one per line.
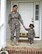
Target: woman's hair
31 25
14 6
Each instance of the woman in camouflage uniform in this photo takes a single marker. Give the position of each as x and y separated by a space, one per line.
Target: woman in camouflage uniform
14 22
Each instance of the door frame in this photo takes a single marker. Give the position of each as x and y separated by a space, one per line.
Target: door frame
39 19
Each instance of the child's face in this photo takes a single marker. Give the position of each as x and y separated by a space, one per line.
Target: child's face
31 27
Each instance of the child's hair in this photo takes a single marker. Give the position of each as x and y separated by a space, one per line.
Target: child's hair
31 25
14 6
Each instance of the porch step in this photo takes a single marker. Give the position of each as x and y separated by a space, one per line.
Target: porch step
23 39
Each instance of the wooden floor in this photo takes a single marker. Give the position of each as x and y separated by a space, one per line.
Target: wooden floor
36 44
23 50
24 47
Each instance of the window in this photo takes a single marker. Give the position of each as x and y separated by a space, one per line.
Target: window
36 12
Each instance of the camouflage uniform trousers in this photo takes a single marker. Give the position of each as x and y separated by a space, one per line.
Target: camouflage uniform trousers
13 28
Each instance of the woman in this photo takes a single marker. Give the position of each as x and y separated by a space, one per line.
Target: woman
14 22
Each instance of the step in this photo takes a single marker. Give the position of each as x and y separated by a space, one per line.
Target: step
23 39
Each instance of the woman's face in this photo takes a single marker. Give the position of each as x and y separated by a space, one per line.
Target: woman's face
15 9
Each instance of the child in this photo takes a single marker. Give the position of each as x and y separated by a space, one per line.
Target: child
31 33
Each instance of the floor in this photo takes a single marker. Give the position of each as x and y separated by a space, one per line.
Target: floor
36 44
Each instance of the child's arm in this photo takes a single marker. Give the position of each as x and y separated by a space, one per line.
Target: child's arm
27 29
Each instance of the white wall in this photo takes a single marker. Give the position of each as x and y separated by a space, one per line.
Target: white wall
0 20
8 7
41 18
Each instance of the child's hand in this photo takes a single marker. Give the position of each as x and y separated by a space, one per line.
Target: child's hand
25 29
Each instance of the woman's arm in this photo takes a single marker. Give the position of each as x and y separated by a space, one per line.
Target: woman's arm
20 19
9 18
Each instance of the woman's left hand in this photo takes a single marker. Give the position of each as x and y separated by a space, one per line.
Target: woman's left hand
23 26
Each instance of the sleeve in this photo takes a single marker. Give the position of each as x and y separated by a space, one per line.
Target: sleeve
20 19
27 29
9 18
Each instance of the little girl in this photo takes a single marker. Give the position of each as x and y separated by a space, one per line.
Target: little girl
31 33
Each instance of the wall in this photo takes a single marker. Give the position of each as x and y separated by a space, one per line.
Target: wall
8 7
41 18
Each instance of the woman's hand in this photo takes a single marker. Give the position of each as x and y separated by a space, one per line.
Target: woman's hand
24 26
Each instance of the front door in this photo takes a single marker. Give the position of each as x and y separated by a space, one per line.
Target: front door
26 11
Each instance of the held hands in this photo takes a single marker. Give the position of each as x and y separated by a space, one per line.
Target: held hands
25 28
